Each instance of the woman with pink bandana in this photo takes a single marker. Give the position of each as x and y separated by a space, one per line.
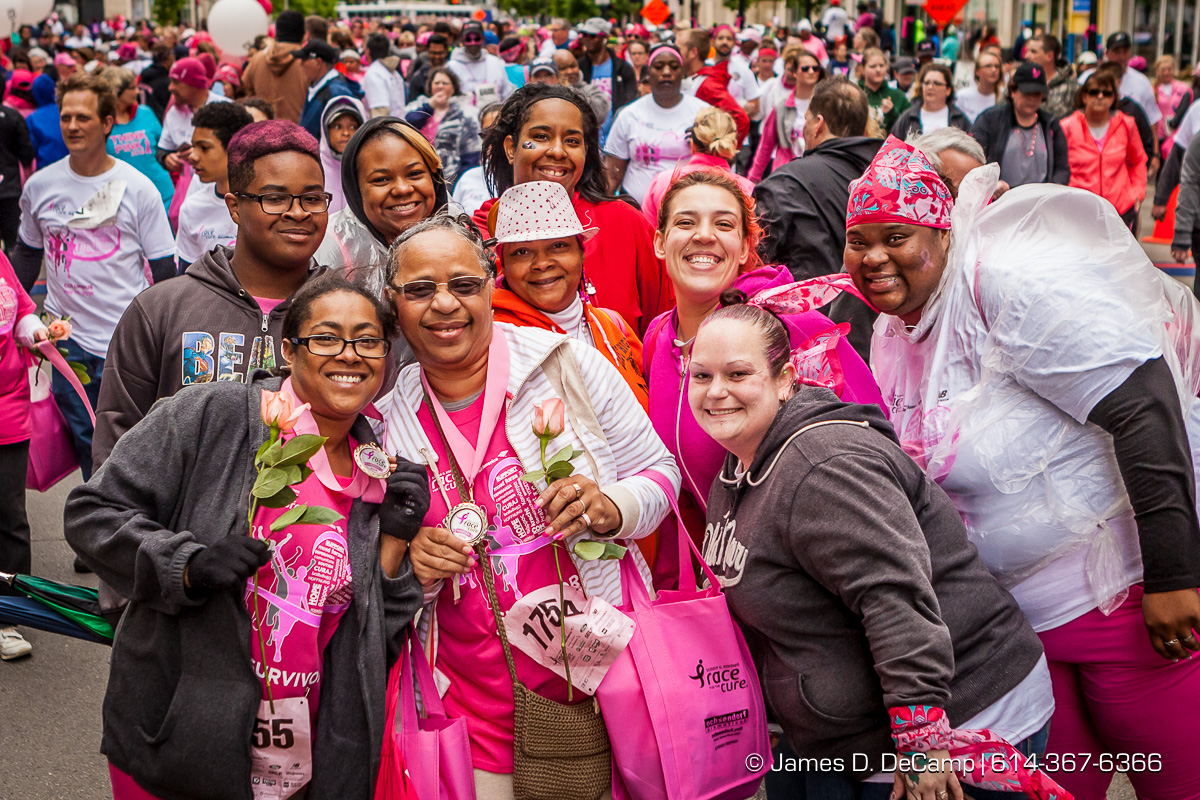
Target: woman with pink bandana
1056 406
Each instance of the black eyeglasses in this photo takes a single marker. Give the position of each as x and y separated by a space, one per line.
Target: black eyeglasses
1098 93
421 291
281 203
328 345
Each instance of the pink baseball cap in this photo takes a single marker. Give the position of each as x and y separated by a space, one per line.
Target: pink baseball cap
191 72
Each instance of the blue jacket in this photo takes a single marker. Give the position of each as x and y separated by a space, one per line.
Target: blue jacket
310 117
45 130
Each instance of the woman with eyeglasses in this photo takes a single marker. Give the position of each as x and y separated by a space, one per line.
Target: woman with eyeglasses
268 644
1104 149
783 129
467 409
933 106
136 131
391 179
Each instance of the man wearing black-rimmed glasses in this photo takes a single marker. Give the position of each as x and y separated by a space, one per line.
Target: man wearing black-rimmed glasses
222 319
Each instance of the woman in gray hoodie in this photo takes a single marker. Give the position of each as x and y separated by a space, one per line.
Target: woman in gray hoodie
871 619
244 658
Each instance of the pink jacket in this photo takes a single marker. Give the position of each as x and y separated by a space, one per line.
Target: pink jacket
1168 96
770 149
1116 169
698 161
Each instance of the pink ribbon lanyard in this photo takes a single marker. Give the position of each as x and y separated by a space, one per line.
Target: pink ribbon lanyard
47 349
470 457
361 484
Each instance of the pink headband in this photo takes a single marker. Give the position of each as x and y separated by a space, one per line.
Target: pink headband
899 185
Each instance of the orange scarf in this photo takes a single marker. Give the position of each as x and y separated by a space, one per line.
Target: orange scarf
615 340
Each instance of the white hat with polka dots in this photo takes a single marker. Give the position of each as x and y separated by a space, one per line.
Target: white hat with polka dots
537 210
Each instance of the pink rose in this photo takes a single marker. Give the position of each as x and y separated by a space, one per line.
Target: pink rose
279 409
59 329
549 418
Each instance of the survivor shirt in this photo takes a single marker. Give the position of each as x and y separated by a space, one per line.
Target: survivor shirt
95 257
469 649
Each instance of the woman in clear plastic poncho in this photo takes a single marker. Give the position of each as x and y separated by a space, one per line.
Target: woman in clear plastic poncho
392 179
1045 374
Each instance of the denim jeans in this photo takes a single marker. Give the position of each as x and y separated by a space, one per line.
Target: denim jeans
839 786
71 407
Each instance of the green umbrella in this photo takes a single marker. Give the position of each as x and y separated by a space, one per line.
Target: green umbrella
79 604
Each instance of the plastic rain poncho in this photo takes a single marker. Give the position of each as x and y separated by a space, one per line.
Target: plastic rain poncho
1047 304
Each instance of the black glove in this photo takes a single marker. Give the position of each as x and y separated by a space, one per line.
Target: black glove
228 563
406 501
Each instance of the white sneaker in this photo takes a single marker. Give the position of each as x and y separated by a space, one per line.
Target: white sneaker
13 645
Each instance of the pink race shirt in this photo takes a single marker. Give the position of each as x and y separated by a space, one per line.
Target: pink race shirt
469 649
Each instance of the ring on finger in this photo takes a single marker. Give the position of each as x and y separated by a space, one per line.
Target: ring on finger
578 491
943 794
1170 642
1191 637
587 521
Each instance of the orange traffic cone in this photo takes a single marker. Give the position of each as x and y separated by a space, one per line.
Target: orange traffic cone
1164 230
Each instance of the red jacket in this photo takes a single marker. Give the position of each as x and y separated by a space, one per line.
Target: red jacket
1118 172
714 90
619 261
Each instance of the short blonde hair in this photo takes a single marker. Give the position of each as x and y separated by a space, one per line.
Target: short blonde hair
715 133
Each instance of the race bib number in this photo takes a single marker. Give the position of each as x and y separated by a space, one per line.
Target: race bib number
486 93
596 633
280 749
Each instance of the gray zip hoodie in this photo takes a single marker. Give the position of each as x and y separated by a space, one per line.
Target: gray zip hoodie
853 578
182 694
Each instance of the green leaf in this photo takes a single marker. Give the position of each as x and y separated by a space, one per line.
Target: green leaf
319 515
262 448
613 552
80 372
273 453
589 550
299 449
269 481
533 477
566 454
288 517
304 472
562 469
284 497
294 475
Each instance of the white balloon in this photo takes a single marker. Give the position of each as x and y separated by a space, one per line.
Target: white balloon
233 24
34 11
10 16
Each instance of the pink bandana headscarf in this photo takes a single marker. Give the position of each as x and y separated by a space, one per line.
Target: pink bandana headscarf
899 185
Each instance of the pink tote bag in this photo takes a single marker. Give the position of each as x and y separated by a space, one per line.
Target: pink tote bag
435 749
684 700
51 448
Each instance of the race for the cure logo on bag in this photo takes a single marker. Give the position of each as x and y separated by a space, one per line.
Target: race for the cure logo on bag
727 678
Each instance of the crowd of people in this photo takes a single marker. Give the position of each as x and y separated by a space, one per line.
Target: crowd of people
332 299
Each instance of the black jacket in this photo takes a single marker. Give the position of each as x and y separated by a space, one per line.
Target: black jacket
910 121
197 328
852 608
993 126
182 681
158 78
418 75
15 150
802 208
624 80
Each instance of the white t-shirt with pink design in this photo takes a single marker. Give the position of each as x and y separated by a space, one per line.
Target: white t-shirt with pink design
204 223
94 272
651 138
